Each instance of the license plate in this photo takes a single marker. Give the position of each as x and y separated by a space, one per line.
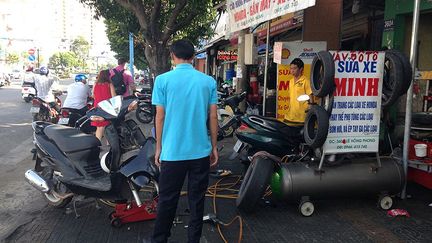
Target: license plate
238 146
63 121
34 109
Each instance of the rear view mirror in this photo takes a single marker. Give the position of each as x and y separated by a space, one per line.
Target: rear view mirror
302 98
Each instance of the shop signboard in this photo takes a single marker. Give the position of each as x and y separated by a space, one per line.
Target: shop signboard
243 14
355 118
280 24
226 55
284 53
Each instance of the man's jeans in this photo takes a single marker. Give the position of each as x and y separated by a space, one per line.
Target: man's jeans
172 176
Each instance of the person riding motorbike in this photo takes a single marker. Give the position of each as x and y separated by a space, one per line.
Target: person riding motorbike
44 86
28 77
77 95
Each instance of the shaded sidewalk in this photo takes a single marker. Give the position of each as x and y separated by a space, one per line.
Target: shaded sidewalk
336 220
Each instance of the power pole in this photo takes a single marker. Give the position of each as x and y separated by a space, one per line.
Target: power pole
241 82
38 59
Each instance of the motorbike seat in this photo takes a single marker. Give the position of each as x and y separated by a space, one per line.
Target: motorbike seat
70 139
100 184
275 125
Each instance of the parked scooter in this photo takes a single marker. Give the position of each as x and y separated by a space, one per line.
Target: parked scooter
43 111
144 112
258 133
227 109
68 164
28 91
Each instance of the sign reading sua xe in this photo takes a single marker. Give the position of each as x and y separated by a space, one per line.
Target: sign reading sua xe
355 118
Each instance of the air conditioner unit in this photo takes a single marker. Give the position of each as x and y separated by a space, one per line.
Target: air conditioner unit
250 49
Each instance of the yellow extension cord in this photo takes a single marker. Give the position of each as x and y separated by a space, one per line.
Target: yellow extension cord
212 191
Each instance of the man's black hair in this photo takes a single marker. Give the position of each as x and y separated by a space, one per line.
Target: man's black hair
183 49
298 62
122 61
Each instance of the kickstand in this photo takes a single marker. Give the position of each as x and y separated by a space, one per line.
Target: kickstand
98 207
74 201
75 210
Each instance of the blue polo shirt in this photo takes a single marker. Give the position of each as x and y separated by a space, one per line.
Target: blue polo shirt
186 95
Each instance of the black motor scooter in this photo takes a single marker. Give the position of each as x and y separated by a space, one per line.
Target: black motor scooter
68 163
258 133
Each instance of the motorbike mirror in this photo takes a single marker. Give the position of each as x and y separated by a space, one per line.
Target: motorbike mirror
302 98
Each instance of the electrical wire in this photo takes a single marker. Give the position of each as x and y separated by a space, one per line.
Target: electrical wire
239 218
213 191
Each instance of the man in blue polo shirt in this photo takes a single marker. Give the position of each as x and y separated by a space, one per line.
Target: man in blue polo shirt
185 99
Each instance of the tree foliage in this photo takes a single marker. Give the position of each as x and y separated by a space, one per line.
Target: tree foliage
63 60
81 47
12 58
118 36
155 23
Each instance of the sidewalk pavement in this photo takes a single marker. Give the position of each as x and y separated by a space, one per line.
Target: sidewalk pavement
336 220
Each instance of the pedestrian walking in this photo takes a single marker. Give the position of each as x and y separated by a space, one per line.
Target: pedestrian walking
185 99
121 79
103 89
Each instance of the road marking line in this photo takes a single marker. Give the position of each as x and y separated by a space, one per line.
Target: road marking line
18 154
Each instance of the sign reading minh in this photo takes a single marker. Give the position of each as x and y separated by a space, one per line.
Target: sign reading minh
243 14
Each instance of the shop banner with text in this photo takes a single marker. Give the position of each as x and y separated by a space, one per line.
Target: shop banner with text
243 14
284 53
355 118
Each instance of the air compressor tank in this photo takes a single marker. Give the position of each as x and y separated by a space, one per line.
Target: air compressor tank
358 177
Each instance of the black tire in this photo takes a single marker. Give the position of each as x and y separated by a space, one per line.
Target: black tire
393 79
254 183
116 222
326 102
407 70
27 99
322 74
144 115
316 126
422 118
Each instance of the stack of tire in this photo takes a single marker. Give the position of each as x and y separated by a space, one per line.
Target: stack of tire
322 84
397 77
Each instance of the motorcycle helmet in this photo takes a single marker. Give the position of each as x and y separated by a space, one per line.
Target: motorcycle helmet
43 70
80 77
